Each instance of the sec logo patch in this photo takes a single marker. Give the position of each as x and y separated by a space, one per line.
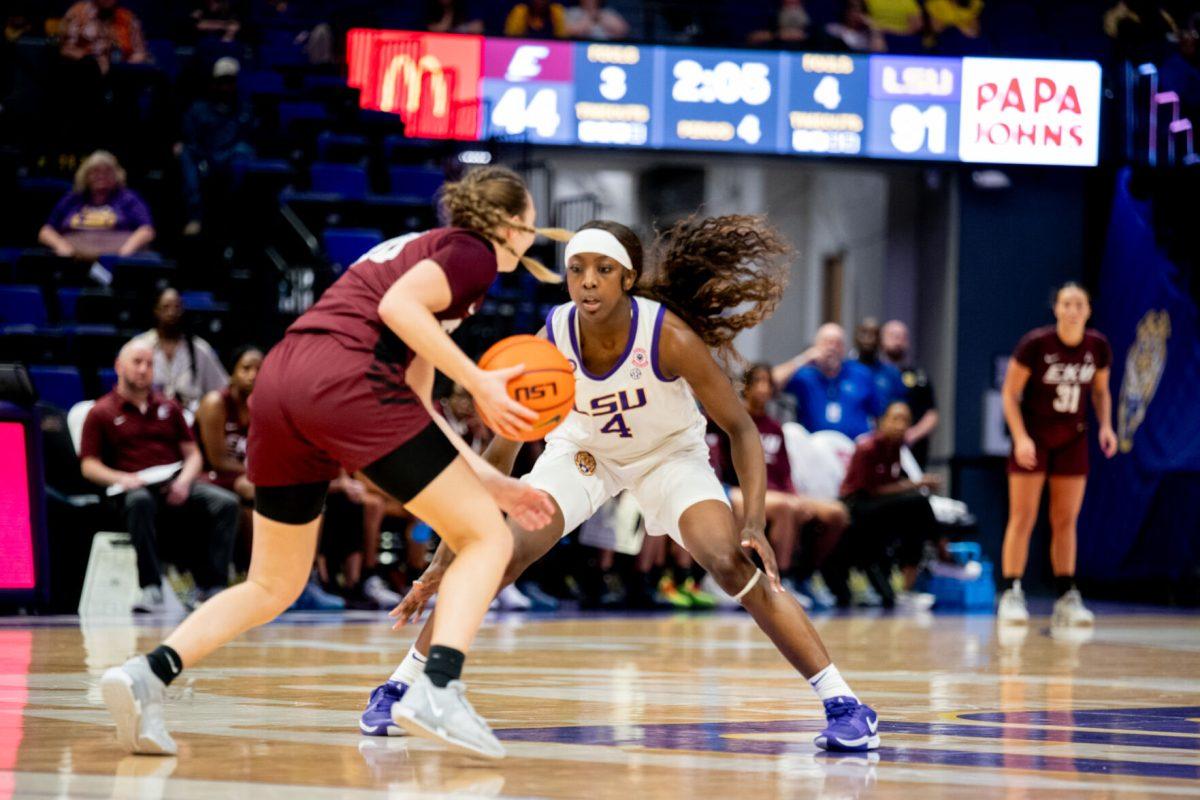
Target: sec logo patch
585 462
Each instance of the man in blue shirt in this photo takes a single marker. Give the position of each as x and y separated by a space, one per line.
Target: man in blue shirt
889 382
832 394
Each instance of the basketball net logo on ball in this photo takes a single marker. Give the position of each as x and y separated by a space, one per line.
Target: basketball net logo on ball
546 386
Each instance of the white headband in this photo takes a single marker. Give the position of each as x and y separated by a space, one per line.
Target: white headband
595 240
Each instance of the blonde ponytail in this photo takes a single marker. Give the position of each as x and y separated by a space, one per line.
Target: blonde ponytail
484 201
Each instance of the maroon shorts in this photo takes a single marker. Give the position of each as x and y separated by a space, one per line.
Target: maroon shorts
1056 457
314 412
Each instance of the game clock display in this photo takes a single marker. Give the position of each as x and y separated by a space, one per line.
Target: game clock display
977 110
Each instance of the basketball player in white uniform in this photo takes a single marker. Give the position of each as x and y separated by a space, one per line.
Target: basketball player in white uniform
636 426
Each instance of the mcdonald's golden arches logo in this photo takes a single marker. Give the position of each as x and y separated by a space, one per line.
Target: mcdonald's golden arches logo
406 75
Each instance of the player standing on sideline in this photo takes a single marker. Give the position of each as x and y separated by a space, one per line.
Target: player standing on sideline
636 427
349 386
1049 377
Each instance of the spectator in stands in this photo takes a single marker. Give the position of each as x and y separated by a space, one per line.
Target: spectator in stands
856 30
133 428
185 366
223 422
216 19
100 215
216 134
104 32
1141 28
450 16
459 411
591 20
791 26
541 19
888 383
788 512
887 511
350 539
960 15
898 17
832 394
919 389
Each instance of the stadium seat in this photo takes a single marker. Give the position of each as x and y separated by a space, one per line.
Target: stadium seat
107 377
75 418
198 301
344 246
142 277
347 180
341 148
62 387
261 82
416 182
22 305
43 268
31 345
67 296
292 112
95 307
96 346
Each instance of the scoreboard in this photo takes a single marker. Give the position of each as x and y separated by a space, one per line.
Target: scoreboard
983 110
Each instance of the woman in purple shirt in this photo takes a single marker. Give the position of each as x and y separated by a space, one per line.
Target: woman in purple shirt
101 216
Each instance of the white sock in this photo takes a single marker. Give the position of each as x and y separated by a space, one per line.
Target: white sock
410 668
829 683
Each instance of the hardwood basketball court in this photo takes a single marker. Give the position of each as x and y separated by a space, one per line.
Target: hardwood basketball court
651 706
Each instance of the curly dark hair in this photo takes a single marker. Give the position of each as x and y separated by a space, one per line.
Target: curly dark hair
703 269
706 269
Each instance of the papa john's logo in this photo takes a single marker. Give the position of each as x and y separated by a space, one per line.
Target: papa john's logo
585 462
1144 366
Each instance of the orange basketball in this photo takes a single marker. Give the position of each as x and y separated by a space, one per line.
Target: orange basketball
547 385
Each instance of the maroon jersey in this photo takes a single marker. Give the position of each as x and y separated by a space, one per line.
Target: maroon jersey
125 438
1054 405
333 393
234 440
779 468
875 463
349 310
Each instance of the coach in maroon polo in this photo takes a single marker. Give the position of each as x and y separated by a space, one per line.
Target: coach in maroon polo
132 428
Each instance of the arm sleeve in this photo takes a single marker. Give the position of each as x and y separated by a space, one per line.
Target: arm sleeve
139 213
211 374
91 443
1025 354
855 479
58 216
181 426
470 267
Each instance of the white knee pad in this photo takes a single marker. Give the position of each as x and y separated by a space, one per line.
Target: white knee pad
749 585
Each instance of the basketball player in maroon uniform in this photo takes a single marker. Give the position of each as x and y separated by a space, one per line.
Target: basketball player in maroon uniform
349 387
223 424
1053 371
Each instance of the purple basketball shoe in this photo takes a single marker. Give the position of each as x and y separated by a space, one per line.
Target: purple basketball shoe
377 719
852 727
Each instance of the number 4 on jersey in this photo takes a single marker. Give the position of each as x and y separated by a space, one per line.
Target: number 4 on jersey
617 425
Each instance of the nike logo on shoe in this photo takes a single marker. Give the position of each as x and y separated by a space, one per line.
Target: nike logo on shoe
873 725
433 706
